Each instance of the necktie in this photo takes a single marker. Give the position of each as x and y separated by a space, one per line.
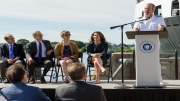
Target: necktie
40 53
11 52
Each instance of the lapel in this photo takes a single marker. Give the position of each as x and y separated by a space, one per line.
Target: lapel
34 46
45 45
70 45
14 49
94 46
7 49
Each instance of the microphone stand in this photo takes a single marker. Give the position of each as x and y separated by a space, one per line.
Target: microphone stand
122 26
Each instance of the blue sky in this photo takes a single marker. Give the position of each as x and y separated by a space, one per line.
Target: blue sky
81 17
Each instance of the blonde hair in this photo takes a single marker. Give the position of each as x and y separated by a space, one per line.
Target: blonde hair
64 32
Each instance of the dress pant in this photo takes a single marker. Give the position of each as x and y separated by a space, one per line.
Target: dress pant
45 61
4 65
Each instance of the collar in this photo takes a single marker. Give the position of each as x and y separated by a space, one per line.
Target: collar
10 44
150 17
38 42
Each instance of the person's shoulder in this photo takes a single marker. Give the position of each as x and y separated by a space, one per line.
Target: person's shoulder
3 45
46 40
139 18
63 86
105 43
32 88
18 44
6 88
73 43
157 15
94 86
60 43
90 43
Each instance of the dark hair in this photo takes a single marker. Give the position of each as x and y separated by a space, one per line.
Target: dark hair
15 73
76 71
102 38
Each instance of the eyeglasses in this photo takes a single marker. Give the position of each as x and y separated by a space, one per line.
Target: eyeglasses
68 35
40 35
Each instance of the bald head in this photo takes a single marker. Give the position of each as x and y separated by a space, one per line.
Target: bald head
38 36
9 38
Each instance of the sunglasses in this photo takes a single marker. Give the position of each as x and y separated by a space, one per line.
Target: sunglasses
68 35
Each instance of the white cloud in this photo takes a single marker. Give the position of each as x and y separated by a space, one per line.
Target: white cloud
69 11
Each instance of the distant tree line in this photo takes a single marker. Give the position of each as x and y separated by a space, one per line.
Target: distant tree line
81 45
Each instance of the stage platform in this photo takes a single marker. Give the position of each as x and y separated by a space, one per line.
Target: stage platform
171 91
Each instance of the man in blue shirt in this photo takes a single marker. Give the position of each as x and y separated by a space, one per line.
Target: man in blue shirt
10 53
19 91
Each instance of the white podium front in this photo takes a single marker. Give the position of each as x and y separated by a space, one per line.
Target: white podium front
147 57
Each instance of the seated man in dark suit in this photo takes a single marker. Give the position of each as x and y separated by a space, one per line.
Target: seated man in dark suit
10 53
19 91
78 89
39 52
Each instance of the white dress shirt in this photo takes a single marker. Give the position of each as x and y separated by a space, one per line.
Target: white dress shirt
149 25
43 49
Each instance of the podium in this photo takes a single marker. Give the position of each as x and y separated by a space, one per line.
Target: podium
147 57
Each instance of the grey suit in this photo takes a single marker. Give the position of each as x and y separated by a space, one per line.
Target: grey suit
31 50
79 91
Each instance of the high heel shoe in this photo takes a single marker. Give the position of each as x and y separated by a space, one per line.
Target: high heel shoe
104 72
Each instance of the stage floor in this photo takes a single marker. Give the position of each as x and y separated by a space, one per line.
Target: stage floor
171 91
170 84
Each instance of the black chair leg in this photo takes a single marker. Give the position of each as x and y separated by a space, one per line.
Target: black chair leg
90 73
86 73
62 74
109 74
51 74
57 75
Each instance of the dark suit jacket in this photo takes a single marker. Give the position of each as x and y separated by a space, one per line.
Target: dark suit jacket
18 52
79 91
21 92
101 48
31 49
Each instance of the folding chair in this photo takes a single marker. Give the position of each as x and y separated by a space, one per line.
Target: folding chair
42 66
59 66
108 55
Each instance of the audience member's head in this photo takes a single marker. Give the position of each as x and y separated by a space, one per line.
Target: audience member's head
77 71
9 38
38 36
16 73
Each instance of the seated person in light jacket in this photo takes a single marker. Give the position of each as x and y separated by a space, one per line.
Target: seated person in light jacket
97 50
19 91
66 53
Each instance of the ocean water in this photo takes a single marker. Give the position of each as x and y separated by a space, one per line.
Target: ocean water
60 78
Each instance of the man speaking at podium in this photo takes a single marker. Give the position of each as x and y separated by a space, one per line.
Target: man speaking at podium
152 22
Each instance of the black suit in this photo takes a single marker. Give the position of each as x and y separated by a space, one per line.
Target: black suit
31 50
79 91
18 53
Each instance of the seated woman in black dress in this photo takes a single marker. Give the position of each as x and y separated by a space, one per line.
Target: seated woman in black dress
97 50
